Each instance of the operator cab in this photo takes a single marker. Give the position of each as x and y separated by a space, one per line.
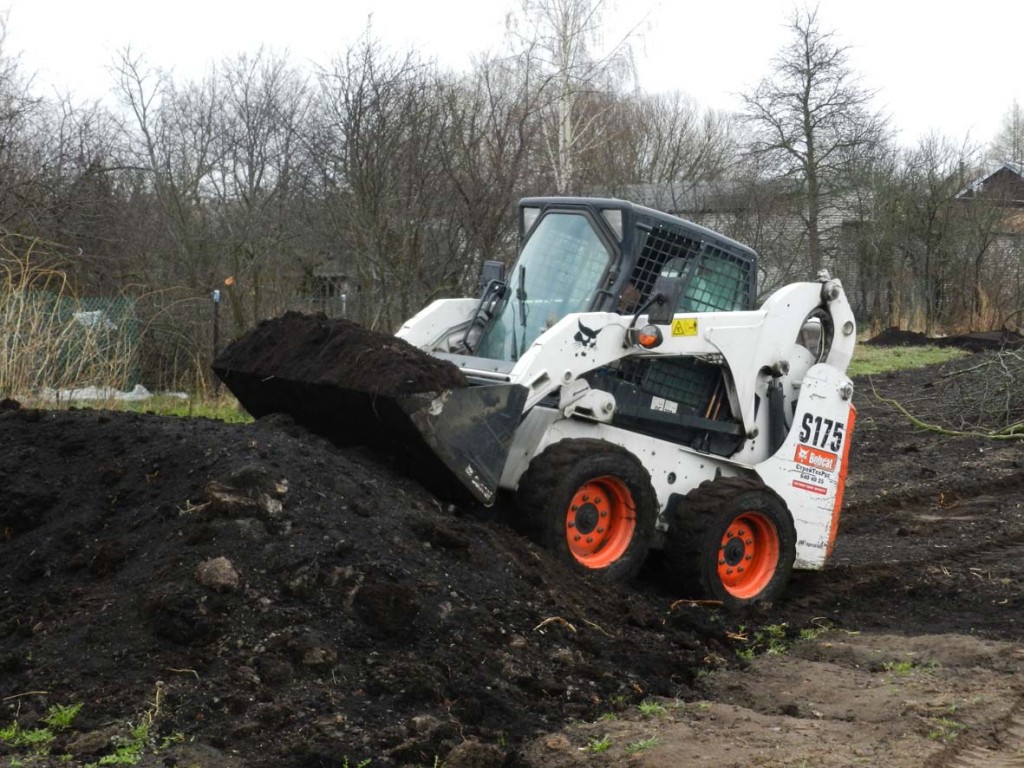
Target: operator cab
582 255
605 255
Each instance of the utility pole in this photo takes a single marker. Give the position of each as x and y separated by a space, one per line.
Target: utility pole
216 336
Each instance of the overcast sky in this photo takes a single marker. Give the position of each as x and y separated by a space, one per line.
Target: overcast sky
954 68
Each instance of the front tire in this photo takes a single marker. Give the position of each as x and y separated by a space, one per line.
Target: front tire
590 502
731 539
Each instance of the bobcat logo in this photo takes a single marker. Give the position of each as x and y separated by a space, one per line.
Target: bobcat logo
586 338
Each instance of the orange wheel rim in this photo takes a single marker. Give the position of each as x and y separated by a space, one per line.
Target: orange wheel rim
748 555
600 522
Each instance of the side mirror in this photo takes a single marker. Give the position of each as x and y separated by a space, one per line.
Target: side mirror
668 290
491 271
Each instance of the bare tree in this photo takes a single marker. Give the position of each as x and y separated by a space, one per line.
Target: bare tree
666 140
1008 145
490 133
559 40
20 160
264 103
384 181
679 140
811 119
876 271
171 137
943 242
80 189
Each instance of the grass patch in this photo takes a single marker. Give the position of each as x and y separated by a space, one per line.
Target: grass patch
771 640
35 739
814 632
906 668
775 639
598 745
133 742
641 745
38 740
871 360
61 716
223 408
899 668
946 729
651 709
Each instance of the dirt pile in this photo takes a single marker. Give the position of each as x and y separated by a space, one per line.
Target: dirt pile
314 349
264 598
271 598
359 387
974 341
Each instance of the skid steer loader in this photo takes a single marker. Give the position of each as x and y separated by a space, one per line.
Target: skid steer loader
623 392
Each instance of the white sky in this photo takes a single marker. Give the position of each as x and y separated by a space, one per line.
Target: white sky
951 67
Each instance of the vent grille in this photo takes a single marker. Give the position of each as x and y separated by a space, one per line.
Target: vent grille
685 381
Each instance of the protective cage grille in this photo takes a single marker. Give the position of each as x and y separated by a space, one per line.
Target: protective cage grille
720 281
716 279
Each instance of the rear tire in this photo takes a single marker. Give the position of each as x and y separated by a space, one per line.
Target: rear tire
590 503
731 539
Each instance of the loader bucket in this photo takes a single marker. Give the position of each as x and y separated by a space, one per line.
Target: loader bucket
352 386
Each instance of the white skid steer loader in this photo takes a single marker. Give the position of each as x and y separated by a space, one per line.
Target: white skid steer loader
660 409
626 396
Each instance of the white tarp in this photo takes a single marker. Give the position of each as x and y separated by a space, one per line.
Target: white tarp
103 393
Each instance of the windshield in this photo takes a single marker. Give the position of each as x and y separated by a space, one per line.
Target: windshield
557 274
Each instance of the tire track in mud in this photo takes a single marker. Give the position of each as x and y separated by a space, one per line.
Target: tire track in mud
927 567
857 577
1012 481
1008 752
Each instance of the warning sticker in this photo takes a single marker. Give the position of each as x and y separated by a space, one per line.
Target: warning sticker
661 404
684 326
809 487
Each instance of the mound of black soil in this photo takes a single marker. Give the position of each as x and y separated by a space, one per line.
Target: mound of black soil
975 341
337 353
359 387
268 599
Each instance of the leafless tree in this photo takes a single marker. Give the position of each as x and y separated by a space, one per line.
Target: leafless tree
874 267
811 119
171 138
384 179
560 41
943 241
665 140
81 196
1008 145
486 150
20 161
263 107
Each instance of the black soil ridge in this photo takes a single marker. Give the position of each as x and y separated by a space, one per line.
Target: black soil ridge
297 603
341 354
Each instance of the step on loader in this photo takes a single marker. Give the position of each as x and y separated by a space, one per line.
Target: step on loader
618 386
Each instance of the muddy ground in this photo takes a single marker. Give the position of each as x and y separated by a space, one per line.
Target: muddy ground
907 650
260 597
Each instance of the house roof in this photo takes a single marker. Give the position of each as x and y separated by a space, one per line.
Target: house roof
681 197
1005 182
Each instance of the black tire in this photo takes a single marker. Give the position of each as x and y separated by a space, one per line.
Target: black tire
731 539
591 503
